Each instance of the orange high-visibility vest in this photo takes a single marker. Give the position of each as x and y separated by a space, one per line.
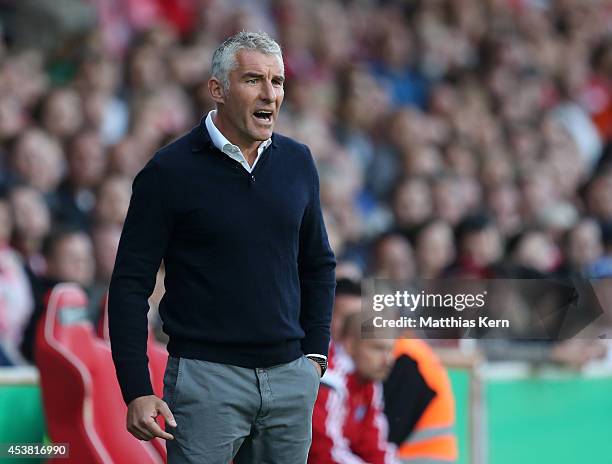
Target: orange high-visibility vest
433 438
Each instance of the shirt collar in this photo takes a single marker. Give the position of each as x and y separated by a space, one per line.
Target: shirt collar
220 141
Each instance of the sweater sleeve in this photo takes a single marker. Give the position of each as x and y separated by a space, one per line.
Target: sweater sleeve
143 243
316 266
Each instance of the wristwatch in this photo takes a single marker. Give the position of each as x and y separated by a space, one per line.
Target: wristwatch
321 361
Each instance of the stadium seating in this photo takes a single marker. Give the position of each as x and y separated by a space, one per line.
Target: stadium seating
81 396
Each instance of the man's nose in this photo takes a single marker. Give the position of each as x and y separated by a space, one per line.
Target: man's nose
268 93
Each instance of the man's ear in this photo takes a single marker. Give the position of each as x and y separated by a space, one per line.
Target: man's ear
216 90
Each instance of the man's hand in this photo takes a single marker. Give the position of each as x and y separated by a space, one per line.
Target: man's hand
317 366
141 415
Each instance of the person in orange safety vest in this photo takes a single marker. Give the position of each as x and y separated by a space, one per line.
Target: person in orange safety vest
422 428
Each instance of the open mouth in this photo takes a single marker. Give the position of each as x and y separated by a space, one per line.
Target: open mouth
263 115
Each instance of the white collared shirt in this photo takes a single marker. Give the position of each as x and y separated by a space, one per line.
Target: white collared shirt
227 147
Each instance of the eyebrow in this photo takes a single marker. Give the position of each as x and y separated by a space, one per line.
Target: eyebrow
260 75
252 74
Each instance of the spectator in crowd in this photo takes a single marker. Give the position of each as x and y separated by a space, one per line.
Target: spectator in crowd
348 423
86 168
533 249
13 117
450 202
421 116
346 303
415 112
434 249
409 399
112 201
393 258
602 266
503 203
38 160
583 245
479 247
412 204
126 158
599 195
62 114
15 294
69 256
420 404
32 223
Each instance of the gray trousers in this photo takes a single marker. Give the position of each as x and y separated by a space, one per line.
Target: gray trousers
253 416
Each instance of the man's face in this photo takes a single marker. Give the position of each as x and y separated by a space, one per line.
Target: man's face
73 260
412 203
32 217
484 246
435 248
39 160
373 358
87 161
248 109
344 306
113 201
395 259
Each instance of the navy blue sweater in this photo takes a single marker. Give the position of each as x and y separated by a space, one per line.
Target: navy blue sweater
249 270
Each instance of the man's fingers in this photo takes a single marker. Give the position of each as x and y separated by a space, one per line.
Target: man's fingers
156 431
140 432
141 416
165 411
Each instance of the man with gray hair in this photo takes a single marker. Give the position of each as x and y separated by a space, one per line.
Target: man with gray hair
233 210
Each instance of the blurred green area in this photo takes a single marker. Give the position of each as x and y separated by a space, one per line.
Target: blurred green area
21 418
563 419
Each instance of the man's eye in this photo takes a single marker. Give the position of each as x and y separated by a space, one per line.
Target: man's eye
252 81
278 83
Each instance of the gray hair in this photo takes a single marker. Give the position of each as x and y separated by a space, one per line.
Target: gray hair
224 58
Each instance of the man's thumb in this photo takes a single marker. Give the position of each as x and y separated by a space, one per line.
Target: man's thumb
165 411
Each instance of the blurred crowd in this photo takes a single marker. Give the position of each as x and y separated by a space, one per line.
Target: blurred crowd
452 137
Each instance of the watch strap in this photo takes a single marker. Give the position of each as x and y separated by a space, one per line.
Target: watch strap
321 361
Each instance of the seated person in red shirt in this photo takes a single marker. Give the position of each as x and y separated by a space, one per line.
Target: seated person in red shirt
348 424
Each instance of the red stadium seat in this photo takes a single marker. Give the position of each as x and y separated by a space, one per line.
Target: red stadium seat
81 396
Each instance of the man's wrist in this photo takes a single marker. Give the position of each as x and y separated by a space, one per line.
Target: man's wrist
320 360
